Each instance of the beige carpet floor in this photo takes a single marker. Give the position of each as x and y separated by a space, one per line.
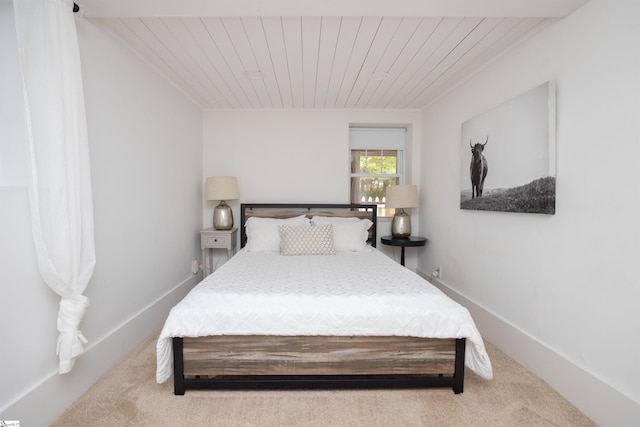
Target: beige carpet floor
129 396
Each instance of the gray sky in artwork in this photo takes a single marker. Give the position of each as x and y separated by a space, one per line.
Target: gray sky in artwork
521 144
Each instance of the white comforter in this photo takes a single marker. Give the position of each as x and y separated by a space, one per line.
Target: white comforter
364 293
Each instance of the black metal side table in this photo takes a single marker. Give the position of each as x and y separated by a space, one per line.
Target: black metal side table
403 242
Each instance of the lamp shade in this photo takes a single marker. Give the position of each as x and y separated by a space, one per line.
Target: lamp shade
401 196
222 188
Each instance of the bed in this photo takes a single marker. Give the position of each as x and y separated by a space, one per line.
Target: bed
309 302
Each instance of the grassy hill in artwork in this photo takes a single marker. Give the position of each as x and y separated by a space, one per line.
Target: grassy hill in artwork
539 196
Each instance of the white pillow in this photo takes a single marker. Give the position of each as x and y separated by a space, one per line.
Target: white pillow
306 240
349 234
263 234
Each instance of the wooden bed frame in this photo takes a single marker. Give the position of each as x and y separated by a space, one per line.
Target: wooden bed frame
293 362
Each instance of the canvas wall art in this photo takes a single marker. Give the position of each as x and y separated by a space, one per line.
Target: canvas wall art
508 155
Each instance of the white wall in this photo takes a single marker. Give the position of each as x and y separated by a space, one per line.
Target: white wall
289 156
12 157
565 283
145 146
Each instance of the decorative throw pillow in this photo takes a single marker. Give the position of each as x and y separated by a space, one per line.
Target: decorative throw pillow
306 240
349 234
263 234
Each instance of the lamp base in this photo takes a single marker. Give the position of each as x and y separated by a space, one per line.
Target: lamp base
222 217
401 224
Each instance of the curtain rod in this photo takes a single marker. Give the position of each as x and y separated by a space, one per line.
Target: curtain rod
76 8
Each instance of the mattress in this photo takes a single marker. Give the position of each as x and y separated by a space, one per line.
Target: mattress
350 293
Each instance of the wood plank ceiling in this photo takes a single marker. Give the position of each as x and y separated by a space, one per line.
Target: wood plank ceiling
326 62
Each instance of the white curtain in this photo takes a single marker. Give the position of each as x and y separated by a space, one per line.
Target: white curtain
60 181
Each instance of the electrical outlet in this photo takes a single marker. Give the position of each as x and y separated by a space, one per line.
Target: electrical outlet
195 266
436 273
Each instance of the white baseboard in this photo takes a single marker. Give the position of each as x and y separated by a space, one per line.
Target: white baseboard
599 401
55 392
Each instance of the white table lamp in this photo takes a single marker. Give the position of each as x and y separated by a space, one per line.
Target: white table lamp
401 197
222 188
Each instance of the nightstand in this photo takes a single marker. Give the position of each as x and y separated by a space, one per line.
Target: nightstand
216 239
403 242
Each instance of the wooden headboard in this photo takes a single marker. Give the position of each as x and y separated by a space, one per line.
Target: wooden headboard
283 210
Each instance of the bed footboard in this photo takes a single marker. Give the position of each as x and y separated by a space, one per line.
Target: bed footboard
286 362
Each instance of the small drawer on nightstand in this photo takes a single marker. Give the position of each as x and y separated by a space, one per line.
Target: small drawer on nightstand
215 241
218 239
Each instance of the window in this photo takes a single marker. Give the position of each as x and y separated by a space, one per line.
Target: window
377 161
